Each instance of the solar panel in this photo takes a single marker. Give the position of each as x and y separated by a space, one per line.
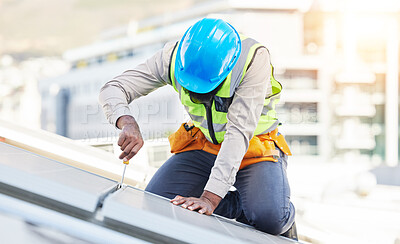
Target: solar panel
39 177
155 214
35 224
88 207
30 233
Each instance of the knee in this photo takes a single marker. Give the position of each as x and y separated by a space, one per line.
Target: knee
270 221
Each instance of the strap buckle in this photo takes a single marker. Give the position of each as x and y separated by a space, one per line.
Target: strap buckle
188 127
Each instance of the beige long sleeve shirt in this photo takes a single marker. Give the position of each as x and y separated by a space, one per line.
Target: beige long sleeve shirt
243 113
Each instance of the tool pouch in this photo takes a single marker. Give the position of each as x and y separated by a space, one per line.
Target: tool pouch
261 147
186 138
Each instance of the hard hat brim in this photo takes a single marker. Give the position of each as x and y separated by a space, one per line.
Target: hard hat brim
196 84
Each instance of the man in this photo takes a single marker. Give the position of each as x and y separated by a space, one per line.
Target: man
225 82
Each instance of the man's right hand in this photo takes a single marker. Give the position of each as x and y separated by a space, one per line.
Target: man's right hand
130 139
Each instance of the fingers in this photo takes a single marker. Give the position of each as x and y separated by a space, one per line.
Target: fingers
185 201
130 142
127 152
205 210
121 139
193 204
126 143
122 156
134 150
126 156
201 207
127 149
178 200
187 204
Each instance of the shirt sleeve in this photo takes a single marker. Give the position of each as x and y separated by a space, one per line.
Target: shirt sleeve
117 93
243 116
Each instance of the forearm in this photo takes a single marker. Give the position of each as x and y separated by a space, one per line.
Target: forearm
114 103
223 174
116 94
242 121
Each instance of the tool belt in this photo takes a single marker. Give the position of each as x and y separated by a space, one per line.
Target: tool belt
261 147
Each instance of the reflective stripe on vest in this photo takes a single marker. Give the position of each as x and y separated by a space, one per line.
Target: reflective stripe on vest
268 120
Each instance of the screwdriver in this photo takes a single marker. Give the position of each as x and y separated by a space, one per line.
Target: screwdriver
123 174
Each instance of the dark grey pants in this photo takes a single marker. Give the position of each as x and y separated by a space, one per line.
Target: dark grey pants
262 198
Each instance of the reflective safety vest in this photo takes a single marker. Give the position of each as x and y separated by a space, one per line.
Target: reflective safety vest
212 120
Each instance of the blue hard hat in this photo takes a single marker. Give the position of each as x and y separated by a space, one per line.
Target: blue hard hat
206 55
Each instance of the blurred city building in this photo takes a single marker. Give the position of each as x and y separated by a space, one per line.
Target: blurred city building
20 101
338 62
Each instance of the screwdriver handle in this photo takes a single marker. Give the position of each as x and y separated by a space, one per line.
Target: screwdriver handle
126 162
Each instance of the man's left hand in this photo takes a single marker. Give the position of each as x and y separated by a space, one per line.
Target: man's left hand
206 204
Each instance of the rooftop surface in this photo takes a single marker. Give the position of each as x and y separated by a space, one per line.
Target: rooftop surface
46 201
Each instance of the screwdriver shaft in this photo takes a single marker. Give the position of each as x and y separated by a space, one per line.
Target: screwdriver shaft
123 175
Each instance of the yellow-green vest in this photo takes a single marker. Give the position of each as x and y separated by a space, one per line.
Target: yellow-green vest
268 120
